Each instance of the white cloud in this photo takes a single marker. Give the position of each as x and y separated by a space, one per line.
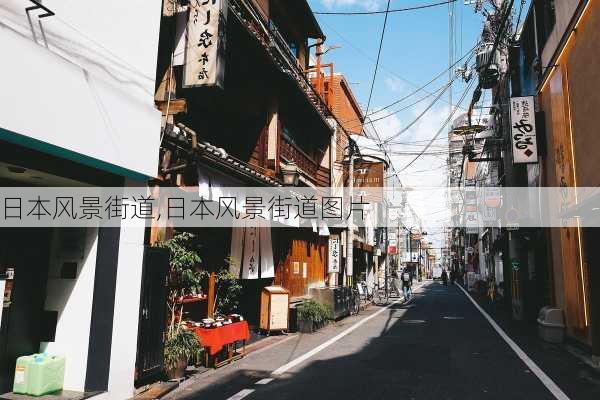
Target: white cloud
394 84
428 171
369 5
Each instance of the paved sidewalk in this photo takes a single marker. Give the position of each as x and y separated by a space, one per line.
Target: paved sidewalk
260 363
577 379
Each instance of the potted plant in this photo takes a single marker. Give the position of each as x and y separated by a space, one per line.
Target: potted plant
181 346
183 279
312 315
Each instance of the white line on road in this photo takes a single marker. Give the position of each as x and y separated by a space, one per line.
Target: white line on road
286 367
265 381
241 394
546 380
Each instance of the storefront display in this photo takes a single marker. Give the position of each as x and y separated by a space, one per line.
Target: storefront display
222 335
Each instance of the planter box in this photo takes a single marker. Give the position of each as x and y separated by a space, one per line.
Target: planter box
306 326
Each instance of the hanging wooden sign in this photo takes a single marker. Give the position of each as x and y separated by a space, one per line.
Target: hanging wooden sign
205 49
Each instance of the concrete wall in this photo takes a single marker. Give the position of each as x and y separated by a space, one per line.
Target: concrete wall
564 12
127 306
82 81
72 298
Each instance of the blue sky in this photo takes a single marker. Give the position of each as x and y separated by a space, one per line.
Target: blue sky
415 49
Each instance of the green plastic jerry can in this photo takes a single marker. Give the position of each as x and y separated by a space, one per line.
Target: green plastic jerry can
46 375
22 369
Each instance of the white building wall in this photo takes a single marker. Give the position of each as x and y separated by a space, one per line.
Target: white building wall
83 79
127 306
72 298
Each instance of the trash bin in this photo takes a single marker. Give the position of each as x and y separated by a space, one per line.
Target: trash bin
551 326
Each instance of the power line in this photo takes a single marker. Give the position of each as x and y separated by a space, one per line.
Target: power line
419 89
387 11
383 67
441 128
413 122
378 56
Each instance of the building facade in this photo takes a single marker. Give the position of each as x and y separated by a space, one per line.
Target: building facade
78 110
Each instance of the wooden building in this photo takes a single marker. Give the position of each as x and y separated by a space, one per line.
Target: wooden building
263 117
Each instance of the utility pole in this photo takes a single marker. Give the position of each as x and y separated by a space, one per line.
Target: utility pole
350 233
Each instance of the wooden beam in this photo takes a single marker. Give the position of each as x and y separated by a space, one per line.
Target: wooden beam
175 106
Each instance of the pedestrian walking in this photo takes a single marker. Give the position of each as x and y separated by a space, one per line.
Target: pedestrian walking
406 284
445 277
452 276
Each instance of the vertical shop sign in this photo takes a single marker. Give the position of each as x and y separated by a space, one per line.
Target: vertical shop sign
523 132
334 254
251 251
206 40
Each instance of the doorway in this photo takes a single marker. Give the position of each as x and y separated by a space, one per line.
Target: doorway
24 257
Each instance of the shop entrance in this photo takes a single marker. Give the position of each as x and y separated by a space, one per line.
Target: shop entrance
24 260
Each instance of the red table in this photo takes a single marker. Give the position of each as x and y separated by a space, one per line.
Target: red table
214 339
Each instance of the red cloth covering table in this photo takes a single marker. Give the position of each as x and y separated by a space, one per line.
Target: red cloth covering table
213 339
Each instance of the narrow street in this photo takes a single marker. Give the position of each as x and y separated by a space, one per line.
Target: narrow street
215 199
438 346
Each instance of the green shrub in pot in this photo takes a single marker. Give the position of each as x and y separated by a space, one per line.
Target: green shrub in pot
313 311
181 346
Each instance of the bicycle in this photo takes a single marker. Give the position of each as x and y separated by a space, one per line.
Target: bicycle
380 295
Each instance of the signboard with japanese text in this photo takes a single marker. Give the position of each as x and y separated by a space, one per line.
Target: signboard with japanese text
251 253
334 254
369 175
523 131
205 49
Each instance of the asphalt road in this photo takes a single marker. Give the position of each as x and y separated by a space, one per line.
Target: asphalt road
438 346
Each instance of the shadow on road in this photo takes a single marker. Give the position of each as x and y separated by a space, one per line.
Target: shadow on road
435 347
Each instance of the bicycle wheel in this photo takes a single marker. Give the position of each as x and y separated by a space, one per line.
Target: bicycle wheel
379 296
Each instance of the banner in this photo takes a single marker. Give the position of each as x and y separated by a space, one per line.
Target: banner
334 254
524 139
237 241
251 253
267 265
205 49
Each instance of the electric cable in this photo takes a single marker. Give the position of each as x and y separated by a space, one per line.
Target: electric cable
441 128
377 61
382 66
413 122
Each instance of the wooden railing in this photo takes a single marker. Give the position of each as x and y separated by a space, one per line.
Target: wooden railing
291 152
276 46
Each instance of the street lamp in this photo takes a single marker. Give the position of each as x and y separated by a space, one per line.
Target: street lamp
291 174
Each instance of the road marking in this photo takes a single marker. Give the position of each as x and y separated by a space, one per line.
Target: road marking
454 317
546 380
265 381
286 367
413 321
241 394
